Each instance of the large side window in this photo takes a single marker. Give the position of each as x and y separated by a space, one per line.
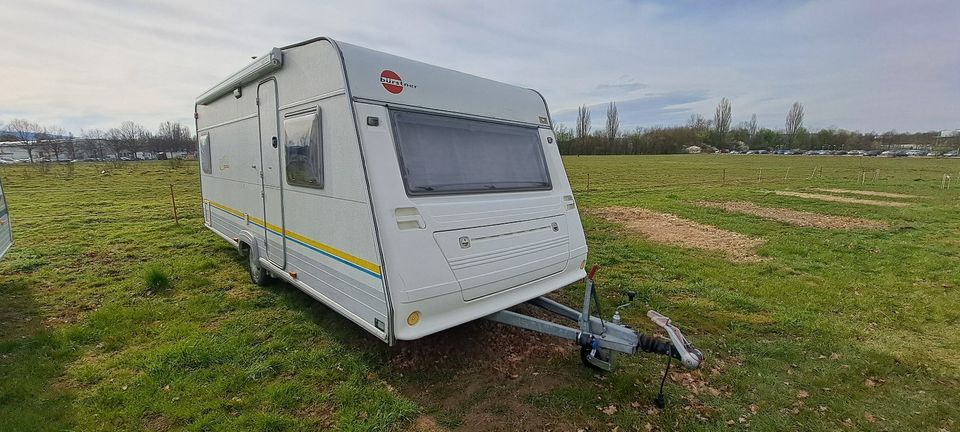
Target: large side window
205 162
303 149
450 155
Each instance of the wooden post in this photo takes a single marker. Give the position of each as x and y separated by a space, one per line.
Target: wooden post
787 175
723 178
173 199
876 177
760 176
588 182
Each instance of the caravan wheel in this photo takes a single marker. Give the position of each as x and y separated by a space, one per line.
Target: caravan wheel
258 275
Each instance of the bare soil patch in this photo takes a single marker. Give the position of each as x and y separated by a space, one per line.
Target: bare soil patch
868 193
480 376
834 198
798 218
669 229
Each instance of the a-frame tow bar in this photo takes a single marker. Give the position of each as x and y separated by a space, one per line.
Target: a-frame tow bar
601 340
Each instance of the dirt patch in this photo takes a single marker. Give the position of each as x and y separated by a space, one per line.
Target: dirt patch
425 424
480 376
868 193
669 229
834 198
798 218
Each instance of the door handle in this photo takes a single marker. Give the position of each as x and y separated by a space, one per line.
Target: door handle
409 218
273 141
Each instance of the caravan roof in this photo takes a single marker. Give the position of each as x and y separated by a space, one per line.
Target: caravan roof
408 83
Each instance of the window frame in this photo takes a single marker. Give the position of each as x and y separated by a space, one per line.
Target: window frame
394 126
206 153
318 123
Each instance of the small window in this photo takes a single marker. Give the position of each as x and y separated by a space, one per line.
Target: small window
205 162
304 155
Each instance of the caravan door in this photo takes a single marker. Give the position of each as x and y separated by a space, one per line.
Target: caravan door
6 232
271 177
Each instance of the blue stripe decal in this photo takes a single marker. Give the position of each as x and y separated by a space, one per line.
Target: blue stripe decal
336 258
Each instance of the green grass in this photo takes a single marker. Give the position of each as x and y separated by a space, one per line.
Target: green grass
114 317
156 279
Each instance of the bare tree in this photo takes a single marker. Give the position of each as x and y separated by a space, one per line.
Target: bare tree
26 132
751 127
700 127
721 120
794 119
583 122
583 127
128 137
698 123
70 145
54 143
562 132
613 123
173 136
93 142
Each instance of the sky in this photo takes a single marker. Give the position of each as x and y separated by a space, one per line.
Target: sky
872 65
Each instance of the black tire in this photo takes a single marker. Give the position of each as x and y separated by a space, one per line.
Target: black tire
601 354
258 275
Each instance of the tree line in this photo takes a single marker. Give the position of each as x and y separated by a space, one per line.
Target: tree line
718 133
55 143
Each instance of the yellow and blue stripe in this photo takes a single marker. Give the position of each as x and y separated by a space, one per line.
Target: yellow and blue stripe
326 250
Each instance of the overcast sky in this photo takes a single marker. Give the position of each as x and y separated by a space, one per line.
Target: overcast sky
864 65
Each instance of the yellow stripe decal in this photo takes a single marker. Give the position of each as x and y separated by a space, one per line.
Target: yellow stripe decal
339 255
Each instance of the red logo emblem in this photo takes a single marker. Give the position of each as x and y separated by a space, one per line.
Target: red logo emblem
391 81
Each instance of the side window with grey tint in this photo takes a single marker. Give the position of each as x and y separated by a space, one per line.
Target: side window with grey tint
303 149
205 162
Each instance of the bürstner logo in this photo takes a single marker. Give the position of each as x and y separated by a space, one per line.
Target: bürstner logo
392 82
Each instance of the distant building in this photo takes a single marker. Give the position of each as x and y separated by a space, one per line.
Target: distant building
16 150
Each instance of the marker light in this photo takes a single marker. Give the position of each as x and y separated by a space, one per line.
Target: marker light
413 319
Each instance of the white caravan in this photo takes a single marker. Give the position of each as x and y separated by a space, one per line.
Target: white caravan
407 197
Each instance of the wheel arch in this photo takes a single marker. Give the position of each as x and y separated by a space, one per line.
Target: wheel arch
246 241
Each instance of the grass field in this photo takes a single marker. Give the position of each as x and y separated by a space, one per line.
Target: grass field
114 317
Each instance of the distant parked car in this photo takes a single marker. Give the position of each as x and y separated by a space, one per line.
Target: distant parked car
872 153
6 160
952 153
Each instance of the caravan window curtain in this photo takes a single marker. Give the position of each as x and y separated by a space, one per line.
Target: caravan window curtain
446 155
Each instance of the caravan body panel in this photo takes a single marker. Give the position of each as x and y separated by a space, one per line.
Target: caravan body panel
386 233
6 230
322 234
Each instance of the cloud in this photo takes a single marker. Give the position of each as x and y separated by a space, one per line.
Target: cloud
651 110
869 65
